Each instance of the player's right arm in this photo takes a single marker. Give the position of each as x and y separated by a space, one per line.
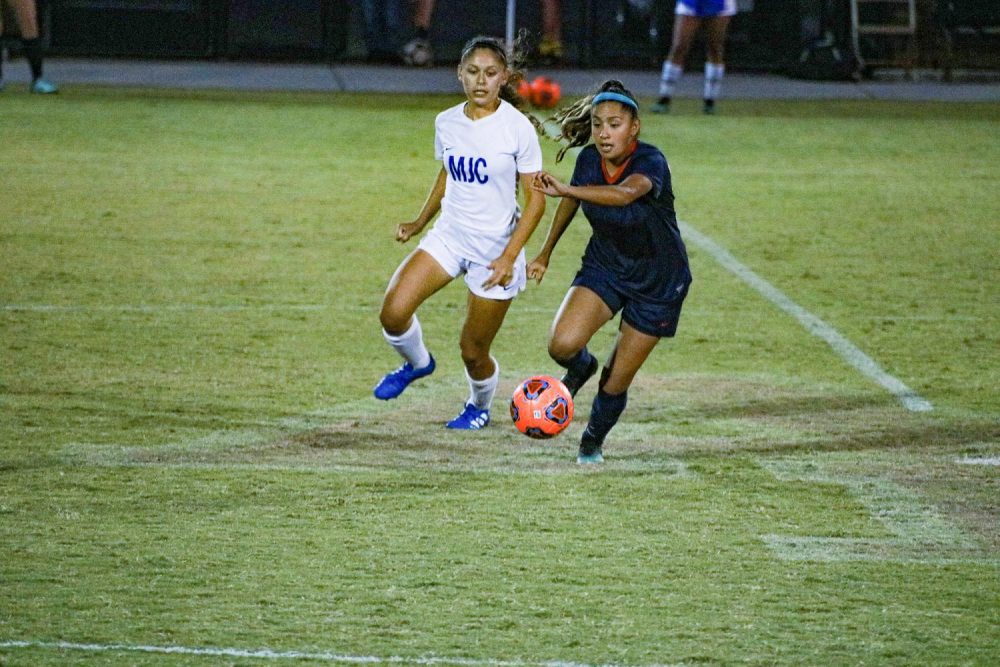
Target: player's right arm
560 221
407 230
621 194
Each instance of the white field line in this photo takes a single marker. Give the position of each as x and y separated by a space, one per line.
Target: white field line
980 461
847 350
269 654
918 532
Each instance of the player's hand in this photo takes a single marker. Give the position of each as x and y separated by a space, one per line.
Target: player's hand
503 272
407 230
548 184
536 268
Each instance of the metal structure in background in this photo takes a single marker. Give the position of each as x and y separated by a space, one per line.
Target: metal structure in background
969 28
511 27
884 33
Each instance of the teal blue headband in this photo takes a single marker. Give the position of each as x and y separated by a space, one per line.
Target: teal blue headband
614 97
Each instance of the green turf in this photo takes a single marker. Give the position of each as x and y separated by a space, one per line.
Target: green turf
190 456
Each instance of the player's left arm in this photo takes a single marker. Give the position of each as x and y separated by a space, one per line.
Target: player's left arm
534 208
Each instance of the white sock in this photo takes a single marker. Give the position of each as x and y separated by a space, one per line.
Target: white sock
669 77
713 80
410 345
481 392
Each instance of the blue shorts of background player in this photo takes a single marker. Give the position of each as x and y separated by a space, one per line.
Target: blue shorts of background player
650 317
705 8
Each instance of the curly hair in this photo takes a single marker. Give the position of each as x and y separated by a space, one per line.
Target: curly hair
574 121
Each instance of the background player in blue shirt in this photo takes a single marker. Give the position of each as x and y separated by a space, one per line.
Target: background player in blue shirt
635 261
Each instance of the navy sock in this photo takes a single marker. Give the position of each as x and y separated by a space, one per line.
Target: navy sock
604 414
33 54
579 364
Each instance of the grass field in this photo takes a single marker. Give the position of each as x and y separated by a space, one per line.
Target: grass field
193 471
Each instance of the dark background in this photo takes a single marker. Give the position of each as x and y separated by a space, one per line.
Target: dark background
597 33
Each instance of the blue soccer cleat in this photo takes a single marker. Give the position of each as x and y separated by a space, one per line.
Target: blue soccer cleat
393 384
43 87
471 419
590 451
592 457
662 106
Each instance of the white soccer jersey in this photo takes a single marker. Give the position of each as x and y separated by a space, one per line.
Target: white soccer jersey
482 160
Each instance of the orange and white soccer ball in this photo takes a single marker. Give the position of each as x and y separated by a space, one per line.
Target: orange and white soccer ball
541 407
545 93
542 92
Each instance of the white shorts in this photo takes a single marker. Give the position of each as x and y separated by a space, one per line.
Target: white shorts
705 8
446 252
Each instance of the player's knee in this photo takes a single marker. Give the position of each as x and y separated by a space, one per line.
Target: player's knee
394 320
563 349
473 352
679 51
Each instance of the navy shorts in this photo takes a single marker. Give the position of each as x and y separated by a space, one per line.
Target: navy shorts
654 318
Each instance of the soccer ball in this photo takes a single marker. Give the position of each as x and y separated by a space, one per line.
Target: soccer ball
524 90
545 93
418 53
541 407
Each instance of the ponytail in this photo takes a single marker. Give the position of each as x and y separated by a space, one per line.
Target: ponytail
574 121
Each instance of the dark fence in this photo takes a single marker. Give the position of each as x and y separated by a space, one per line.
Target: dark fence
768 35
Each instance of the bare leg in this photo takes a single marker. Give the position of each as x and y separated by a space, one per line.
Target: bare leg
27 21
416 279
631 350
685 29
551 19
715 69
482 322
715 38
551 49
422 13
580 316
27 17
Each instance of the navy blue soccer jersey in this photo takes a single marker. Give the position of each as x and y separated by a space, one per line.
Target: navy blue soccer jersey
639 245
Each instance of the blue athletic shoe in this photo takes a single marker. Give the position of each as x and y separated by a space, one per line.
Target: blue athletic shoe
471 419
43 87
590 452
393 384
